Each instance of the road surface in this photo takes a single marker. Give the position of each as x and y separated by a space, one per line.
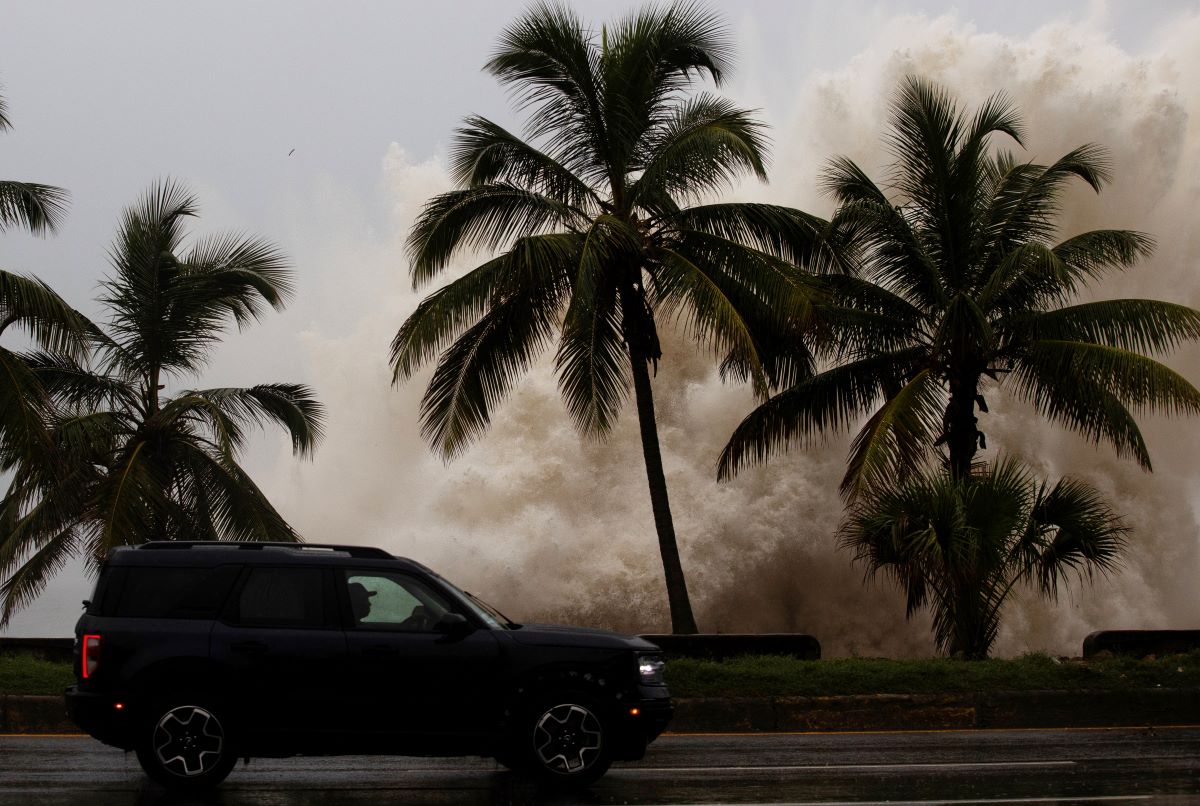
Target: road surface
1160 766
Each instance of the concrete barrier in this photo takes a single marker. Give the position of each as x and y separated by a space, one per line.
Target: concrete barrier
1140 643
56 649
711 646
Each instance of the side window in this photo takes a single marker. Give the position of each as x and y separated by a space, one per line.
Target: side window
158 592
283 597
380 600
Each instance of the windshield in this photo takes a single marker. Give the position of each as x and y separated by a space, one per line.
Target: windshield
509 623
490 615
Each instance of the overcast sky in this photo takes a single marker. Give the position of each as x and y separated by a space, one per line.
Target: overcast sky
106 97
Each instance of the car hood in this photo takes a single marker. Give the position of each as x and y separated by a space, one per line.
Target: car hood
562 635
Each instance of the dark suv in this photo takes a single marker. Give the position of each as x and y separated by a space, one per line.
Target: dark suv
197 654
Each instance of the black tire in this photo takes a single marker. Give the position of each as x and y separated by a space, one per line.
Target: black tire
186 744
564 739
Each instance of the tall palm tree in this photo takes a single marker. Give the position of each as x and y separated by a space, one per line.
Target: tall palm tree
124 461
962 286
38 208
961 546
593 237
29 306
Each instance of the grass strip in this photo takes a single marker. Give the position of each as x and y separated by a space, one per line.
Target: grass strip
772 676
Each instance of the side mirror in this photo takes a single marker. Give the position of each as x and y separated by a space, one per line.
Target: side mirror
452 624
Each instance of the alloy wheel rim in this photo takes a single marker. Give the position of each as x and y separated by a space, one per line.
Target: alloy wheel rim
188 741
567 738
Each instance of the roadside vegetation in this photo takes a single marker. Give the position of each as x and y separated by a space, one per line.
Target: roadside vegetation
30 673
775 676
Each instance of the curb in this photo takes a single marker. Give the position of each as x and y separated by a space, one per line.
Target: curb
865 712
34 714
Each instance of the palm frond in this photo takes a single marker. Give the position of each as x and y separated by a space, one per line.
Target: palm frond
1071 530
704 146
896 440
790 235
30 579
73 385
476 372
484 217
927 128
1136 380
229 503
484 153
1137 325
1081 404
828 402
36 309
715 307
228 410
1026 198
892 251
551 65
24 406
38 208
592 360
647 59
237 271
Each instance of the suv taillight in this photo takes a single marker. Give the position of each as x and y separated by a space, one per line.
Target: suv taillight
91 655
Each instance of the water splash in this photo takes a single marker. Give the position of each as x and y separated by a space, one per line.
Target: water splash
551 527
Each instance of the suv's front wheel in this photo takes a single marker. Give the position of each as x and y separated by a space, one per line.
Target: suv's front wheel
565 739
186 744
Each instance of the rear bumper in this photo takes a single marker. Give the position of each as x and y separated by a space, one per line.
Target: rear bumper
98 715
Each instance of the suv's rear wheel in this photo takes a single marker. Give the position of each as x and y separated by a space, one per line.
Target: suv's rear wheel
564 739
186 744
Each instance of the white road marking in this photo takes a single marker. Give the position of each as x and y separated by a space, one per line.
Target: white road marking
940 802
945 765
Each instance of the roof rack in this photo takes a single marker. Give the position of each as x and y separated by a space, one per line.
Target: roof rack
358 552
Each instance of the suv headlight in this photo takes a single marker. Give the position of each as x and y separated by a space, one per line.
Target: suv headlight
650 670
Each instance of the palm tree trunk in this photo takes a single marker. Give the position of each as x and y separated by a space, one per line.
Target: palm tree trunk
682 620
962 436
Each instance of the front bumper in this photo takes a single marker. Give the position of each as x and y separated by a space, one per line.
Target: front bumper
641 721
98 715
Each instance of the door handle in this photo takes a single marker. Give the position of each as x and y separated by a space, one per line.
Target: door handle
379 651
249 647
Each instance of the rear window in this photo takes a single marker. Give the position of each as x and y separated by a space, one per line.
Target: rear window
145 592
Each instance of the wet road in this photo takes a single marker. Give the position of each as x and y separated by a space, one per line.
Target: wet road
973 767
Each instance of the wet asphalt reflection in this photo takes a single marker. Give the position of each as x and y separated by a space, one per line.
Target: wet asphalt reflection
1059 767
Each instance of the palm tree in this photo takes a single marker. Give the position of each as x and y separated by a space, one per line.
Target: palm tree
31 307
588 214
961 546
124 462
962 286
38 208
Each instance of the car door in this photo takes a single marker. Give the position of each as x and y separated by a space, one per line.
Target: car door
412 678
282 644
